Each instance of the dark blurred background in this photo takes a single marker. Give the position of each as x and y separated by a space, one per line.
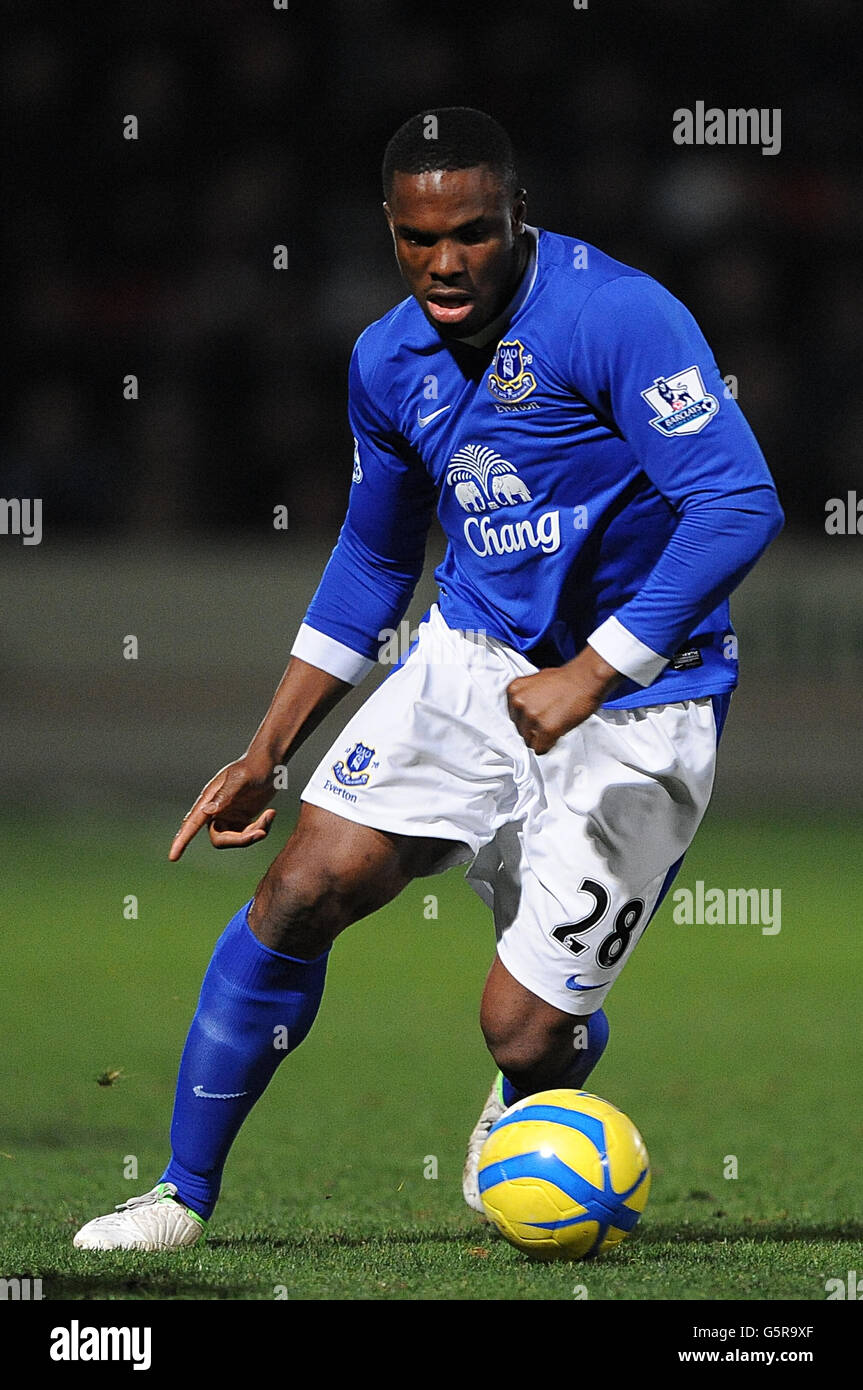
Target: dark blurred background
261 126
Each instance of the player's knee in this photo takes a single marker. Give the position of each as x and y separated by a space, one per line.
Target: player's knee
301 905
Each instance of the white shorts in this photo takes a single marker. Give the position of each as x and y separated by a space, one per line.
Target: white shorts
570 849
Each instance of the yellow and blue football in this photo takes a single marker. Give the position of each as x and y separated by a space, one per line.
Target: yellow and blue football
564 1174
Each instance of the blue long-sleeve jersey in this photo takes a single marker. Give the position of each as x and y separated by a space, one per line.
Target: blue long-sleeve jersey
593 476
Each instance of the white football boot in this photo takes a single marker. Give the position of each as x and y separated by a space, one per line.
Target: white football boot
492 1111
152 1222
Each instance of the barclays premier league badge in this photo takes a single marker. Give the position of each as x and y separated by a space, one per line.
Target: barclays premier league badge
681 402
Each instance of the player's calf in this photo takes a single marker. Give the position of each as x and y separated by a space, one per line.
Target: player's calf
539 1057
537 1046
258 1001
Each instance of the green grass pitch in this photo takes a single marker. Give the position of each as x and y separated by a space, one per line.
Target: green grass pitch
724 1042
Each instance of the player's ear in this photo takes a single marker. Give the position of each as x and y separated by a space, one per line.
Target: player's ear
519 211
388 215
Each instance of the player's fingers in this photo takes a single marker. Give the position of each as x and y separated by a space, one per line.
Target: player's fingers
539 741
208 804
515 687
235 839
192 822
258 829
515 695
526 726
537 735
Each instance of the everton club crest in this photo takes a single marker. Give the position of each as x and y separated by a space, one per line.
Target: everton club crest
351 772
509 380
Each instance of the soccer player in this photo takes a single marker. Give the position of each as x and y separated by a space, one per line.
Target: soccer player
555 725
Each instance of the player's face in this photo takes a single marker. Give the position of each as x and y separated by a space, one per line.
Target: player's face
459 242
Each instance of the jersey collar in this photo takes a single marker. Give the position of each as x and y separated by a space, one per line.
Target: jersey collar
494 329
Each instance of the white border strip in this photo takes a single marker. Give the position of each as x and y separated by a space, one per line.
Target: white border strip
329 655
626 653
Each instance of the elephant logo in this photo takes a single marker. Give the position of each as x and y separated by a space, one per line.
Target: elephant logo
483 480
470 496
509 488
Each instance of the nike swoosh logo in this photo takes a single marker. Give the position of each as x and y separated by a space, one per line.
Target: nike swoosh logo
211 1095
423 420
572 983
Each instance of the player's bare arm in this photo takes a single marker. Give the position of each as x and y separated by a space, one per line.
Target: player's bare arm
234 803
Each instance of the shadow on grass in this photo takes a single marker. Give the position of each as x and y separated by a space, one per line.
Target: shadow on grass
94 1288
167 1282
734 1232
782 1231
343 1241
170 1283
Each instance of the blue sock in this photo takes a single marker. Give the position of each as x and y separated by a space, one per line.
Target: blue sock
255 1007
583 1062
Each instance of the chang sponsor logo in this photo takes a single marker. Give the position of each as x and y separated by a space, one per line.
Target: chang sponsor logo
484 481
485 538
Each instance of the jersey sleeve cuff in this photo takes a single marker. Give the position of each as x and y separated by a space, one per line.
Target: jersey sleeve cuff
622 650
331 656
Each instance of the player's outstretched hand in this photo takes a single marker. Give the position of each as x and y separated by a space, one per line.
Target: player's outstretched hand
232 804
545 706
